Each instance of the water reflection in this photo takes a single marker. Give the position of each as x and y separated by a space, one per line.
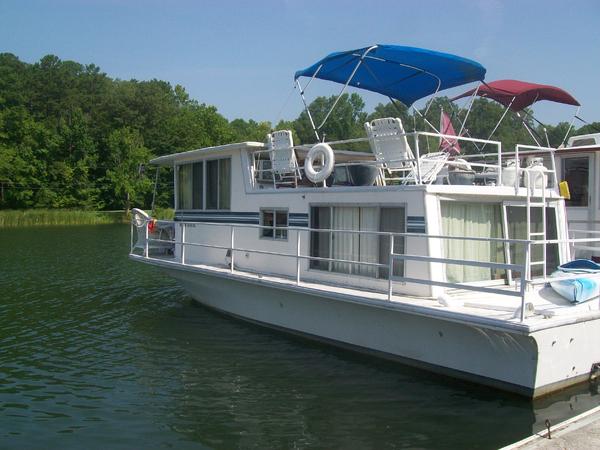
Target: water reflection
97 352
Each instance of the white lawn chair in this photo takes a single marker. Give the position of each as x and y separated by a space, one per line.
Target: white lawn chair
430 165
390 146
284 165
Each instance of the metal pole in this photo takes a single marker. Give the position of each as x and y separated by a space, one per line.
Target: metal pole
131 248
391 268
146 243
418 180
312 122
462 126
232 247
297 257
570 126
360 61
155 186
517 169
524 279
499 180
183 243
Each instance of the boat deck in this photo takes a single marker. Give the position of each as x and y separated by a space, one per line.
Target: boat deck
487 310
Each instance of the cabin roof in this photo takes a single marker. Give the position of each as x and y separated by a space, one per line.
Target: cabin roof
191 155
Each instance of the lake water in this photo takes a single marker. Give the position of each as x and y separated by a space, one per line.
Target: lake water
100 352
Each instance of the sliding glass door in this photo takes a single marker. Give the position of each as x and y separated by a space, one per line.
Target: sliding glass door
352 246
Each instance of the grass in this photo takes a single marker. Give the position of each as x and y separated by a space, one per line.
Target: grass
39 217
164 213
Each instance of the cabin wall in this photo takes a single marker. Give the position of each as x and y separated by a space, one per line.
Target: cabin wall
246 204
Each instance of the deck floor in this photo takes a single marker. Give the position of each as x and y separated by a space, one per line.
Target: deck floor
549 309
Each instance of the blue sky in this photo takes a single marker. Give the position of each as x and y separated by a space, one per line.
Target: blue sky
241 55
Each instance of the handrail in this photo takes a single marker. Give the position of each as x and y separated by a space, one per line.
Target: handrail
523 269
393 257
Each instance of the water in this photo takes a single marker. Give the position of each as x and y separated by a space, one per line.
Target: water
99 352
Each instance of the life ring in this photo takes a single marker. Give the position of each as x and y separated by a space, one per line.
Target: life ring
324 152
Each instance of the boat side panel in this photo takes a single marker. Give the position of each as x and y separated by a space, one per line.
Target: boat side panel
503 359
566 354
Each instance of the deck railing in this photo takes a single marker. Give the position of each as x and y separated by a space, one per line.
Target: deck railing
489 172
149 243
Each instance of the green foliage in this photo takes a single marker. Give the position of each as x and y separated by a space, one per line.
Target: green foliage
72 137
42 217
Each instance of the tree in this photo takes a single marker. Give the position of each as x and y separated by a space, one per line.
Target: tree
345 122
125 180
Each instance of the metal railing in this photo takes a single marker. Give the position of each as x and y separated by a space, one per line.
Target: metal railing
413 170
233 249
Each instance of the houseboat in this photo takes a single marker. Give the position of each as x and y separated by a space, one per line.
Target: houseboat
579 165
405 250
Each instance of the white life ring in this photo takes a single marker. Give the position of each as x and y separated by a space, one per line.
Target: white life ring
324 152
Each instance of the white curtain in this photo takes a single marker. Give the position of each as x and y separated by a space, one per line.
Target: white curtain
345 245
368 243
472 220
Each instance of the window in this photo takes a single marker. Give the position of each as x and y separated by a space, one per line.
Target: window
575 171
516 217
370 248
184 185
192 185
275 222
481 220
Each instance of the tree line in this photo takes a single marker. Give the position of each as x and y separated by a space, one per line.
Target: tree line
73 137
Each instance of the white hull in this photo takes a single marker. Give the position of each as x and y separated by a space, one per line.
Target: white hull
530 364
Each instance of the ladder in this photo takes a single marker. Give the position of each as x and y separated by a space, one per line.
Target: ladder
532 178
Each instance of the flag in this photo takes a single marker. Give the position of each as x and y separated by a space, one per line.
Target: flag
447 144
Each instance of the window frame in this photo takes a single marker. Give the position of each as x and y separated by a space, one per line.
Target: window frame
274 227
204 199
379 206
563 161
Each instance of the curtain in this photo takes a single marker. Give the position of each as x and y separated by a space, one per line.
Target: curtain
197 177
472 220
185 191
224 183
368 243
212 178
345 245
391 220
320 218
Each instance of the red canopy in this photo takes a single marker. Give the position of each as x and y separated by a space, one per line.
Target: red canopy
523 93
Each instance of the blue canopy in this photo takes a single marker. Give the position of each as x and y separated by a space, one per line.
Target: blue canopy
403 73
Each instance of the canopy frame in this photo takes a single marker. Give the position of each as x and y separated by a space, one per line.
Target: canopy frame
536 138
363 59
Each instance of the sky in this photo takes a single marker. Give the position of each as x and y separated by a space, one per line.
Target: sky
241 55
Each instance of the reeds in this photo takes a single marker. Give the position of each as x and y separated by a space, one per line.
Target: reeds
39 217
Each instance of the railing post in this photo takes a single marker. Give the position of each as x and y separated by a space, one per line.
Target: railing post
232 247
391 268
131 229
517 169
297 257
499 180
418 162
146 254
524 278
183 227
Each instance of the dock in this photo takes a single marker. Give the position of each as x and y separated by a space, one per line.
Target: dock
579 432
